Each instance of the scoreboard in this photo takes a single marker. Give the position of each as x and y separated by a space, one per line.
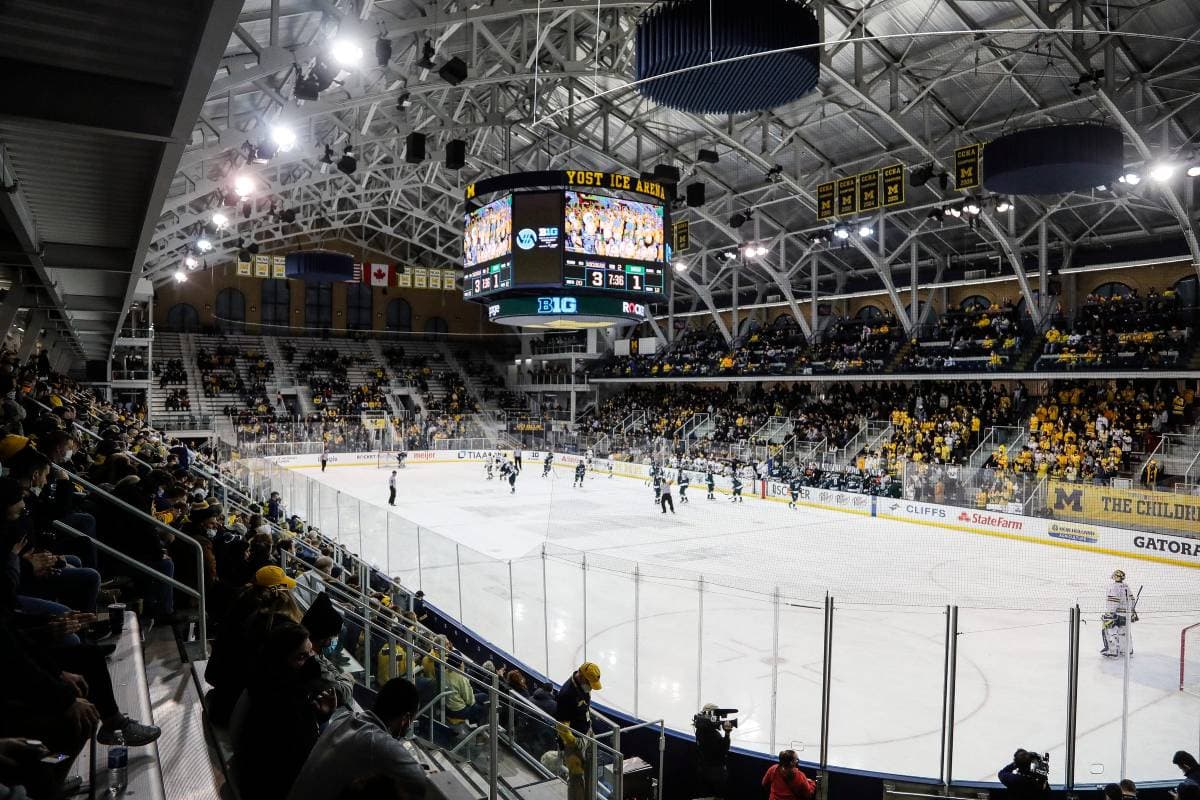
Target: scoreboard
487 279
602 275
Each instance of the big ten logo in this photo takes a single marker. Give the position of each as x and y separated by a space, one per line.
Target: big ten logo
635 309
557 305
526 238
548 234
1073 498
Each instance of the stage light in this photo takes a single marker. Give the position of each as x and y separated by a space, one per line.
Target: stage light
403 101
346 52
203 245
865 231
1162 171
1193 171
327 160
971 207
190 261
180 276
681 266
243 186
283 137
307 88
1003 204
220 220
841 232
427 54
1131 178
347 163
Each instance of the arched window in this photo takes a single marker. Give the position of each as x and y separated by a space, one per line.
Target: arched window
975 302
747 326
784 321
436 327
318 305
869 313
276 303
183 318
231 311
358 307
399 316
1188 291
1112 289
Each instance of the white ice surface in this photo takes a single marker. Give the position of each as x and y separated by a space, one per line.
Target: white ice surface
890 582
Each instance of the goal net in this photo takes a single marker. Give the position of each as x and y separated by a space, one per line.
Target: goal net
1189 659
387 459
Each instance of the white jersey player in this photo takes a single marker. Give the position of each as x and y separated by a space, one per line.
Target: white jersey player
1119 611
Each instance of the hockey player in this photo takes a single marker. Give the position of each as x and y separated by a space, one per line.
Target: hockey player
591 454
1114 622
711 483
667 500
324 456
683 486
401 459
610 469
392 489
794 489
546 464
580 472
656 481
489 467
737 489
509 470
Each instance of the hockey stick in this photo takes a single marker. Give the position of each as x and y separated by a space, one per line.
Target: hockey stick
1133 608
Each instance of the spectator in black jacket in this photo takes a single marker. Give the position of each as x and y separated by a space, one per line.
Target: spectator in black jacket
1020 778
1188 766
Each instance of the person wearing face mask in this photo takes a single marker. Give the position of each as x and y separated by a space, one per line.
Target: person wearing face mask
324 625
365 743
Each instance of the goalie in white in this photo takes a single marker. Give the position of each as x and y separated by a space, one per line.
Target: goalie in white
1119 611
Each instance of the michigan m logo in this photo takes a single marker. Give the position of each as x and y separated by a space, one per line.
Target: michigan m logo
1073 498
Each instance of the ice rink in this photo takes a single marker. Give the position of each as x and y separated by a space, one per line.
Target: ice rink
723 603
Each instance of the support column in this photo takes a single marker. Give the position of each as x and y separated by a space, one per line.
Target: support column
813 310
670 305
733 328
912 283
1043 270
36 321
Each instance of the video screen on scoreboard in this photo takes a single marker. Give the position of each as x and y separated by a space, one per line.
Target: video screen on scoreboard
613 244
487 233
537 238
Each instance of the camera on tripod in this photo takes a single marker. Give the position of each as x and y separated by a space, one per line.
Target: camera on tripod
1033 762
712 717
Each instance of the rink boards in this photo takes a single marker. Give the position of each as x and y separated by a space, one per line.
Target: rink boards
1164 548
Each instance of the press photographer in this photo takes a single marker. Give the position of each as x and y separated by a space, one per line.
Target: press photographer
713 727
1027 776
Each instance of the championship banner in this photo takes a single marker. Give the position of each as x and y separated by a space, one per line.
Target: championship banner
404 279
245 269
449 277
1173 512
420 277
893 185
825 193
682 235
868 191
279 266
847 196
262 266
435 279
966 166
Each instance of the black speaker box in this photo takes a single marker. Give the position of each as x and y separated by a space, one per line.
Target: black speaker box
454 71
414 148
695 194
456 154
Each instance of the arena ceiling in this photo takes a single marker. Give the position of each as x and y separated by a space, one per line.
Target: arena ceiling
548 86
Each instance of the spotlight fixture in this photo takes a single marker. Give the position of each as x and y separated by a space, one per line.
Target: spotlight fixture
243 186
220 220
203 245
754 251
866 230
707 157
1162 171
306 88
737 220
180 276
1193 171
841 232
954 211
347 163
819 237
427 54
680 266
327 160
971 206
383 51
775 174
346 52
403 101
728 255
322 75
1131 178
265 152
190 261
1003 204
283 137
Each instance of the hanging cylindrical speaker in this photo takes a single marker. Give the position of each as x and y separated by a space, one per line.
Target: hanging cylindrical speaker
456 154
695 194
1054 159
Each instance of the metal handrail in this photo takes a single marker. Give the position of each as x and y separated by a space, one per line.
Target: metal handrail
200 589
132 562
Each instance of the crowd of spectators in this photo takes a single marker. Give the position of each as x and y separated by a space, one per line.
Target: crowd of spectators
1121 331
177 400
972 339
170 373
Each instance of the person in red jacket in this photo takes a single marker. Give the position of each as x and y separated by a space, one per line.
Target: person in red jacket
785 781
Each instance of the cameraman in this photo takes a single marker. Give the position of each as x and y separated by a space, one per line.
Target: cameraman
1025 776
712 746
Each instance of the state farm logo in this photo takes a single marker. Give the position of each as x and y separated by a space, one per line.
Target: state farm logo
991 521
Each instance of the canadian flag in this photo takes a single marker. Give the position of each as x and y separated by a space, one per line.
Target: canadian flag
380 274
